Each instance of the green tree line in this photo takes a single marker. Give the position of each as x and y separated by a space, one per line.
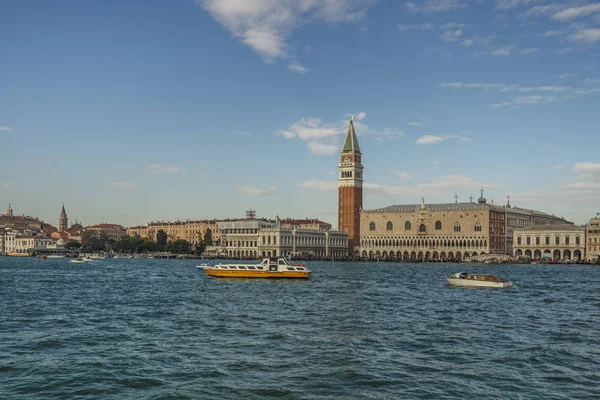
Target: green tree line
94 241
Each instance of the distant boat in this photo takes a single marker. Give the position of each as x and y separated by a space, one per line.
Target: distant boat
56 256
478 280
78 260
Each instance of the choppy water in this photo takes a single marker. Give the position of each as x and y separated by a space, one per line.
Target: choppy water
160 329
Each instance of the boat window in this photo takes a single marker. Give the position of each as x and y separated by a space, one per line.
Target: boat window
300 269
241 267
290 269
281 262
251 267
232 267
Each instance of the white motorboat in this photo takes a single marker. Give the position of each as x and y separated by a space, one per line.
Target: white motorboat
203 266
478 280
78 260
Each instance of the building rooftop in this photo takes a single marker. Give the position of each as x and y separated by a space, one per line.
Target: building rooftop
432 207
552 227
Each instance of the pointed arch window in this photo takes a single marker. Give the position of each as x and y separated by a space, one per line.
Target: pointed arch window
422 228
457 227
389 226
438 226
372 226
407 226
477 227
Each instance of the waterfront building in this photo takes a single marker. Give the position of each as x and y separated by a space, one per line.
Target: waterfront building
192 231
19 222
29 244
435 232
560 242
446 231
350 188
593 239
517 218
256 238
110 231
2 241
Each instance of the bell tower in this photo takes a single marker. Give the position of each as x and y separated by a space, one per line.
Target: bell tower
350 188
63 221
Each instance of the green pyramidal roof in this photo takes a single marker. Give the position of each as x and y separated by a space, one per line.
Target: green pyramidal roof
351 143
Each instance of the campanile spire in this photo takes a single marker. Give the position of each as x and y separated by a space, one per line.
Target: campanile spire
350 182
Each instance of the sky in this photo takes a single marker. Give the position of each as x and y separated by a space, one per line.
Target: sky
149 110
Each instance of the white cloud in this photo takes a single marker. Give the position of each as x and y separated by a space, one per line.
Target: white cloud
430 139
545 94
539 11
564 50
434 139
5 185
266 25
559 166
553 32
256 191
241 133
297 68
324 138
161 169
324 186
529 51
452 32
5 129
582 186
122 185
434 6
507 4
586 35
587 167
420 27
404 176
576 12
414 123
456 182
322 149
502 51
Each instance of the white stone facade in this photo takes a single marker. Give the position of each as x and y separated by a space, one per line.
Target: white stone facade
557 242
257 238
593 239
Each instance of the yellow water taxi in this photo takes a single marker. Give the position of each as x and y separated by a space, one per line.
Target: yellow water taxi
19 254
268 268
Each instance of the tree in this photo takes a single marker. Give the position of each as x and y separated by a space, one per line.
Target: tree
208 237
146 246
179 246
161 239
93 241
73 244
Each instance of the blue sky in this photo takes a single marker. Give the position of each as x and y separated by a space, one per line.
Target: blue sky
151 110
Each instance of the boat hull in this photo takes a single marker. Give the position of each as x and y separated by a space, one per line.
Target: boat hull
218 273
477 283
